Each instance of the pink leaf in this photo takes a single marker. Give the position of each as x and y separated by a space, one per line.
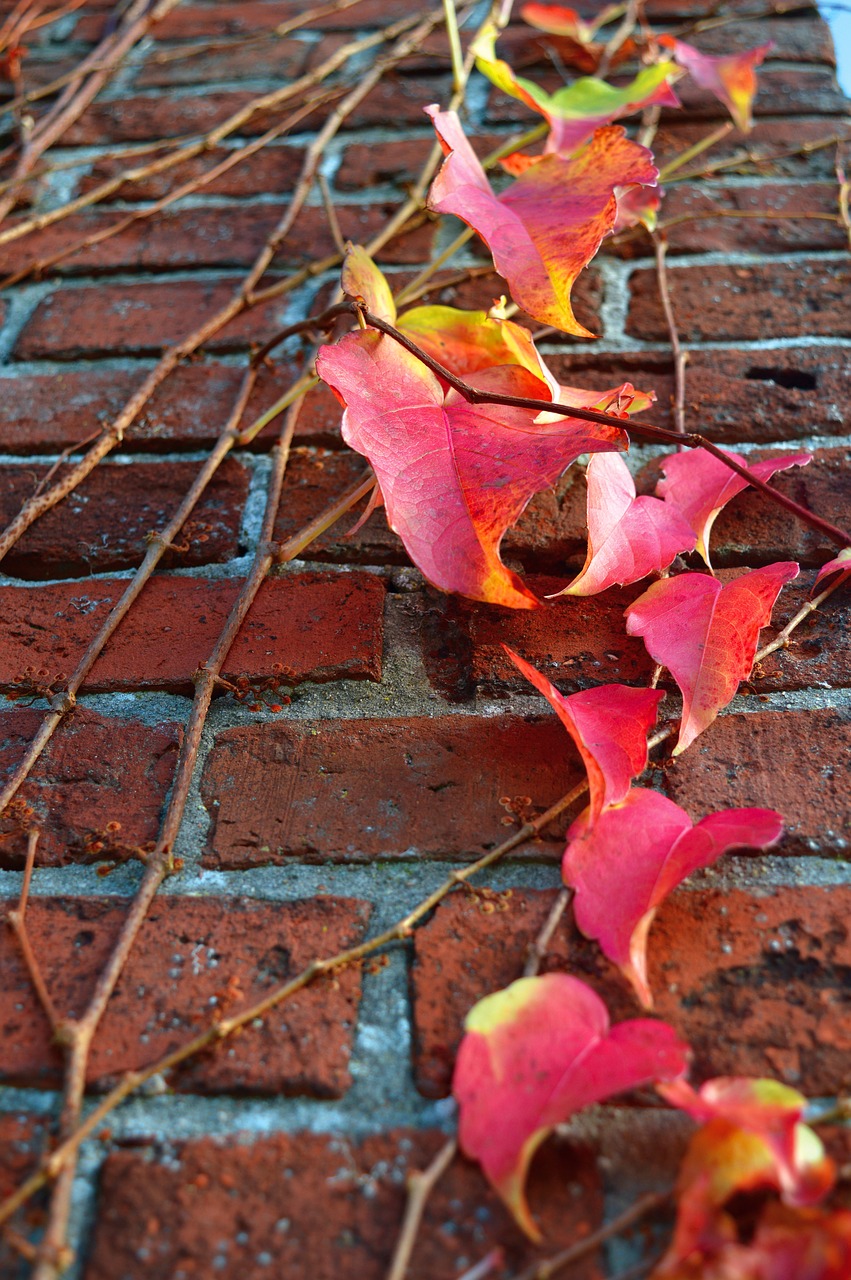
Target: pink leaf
533 1055
699 485
609 725
706 635
625 862
628 537
550 222
453 475
732 79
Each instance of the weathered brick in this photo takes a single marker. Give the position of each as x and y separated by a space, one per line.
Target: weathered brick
576 641
351 790
104 524
209 237
95 771
818 655
22 1142
314 626
279 58
313 1207
144 318
778 217
275 168
757 985
550 531
44 413
193 960
756 759
771 300
769 136
371 164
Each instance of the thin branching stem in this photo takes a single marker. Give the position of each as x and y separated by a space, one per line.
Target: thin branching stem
421 1183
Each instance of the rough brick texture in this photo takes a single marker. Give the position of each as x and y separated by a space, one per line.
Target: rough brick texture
194 961
330 628
312 1206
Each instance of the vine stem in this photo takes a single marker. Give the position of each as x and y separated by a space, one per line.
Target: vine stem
680 357
538 947
420 1183
18 924
549 1266
781 640
642 430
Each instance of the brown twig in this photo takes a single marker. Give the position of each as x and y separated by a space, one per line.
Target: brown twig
781 640
420 1183
538 946
748 156
842 197
680 357
17 919
548 1267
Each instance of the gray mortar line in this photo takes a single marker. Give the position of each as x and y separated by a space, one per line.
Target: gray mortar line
20 307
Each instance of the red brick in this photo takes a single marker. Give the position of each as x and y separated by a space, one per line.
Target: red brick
351 790
95 771
103 526
192 960
551 529
756 759
139 318
798 219
316 626
732 396
756 984
796 39
22 1142
371 164
279 58
193 22
768 136
275 168
210 237
44 413
769 300
313 1207
575 641
480 292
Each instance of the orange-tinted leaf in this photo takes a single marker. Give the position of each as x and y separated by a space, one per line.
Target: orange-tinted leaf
533 1055
466 342
732 79
832 572
574 112
550 222
628 537
558 20
361 278
624 863
609 725
699 485
453 475
803 1244
706 635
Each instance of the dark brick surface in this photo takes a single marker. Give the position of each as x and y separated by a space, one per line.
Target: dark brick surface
315 1207
95 771
317 626
352 790
194 960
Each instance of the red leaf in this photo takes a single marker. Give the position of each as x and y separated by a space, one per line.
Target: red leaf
609 725
550 222
558 20
628 537
839 567
533 1055
699 485
732 79
454 476
706 635
624 863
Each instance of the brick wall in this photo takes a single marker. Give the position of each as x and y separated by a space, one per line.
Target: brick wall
284 1151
